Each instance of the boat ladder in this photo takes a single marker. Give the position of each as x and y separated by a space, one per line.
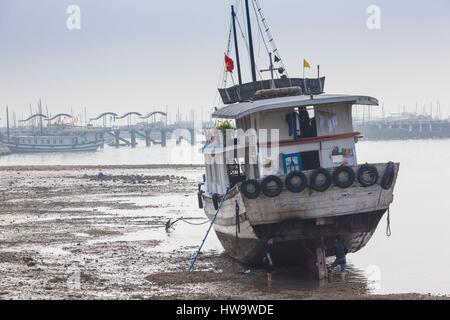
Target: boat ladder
194 258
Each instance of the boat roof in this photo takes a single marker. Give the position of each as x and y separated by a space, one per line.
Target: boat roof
240 110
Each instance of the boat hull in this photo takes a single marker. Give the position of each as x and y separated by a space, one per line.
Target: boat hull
18 148
293 250
299 222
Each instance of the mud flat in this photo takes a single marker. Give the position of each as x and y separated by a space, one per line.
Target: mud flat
65 234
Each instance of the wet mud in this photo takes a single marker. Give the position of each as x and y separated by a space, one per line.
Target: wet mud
65 233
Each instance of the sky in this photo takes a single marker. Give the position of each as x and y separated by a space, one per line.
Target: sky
148 55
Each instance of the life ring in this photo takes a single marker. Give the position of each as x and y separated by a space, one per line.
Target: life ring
251 189
313 183
295 187
215 200
369 171
200 200
388 177
270 191
348 182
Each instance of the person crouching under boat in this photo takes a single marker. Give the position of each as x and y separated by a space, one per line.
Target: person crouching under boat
341 260
268 260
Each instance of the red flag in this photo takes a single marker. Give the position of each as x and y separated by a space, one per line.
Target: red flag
229 63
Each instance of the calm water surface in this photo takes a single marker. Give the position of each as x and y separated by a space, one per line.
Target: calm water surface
414 259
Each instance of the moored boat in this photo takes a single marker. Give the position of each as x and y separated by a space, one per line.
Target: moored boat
82 141
286 167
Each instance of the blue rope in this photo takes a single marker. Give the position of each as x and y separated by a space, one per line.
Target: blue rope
194 259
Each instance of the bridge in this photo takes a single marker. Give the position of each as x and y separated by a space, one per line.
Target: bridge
153 132
152 127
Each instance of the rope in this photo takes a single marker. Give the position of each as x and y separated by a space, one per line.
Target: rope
222 83
195 224
261 34
258 10
169 224
194 259
388 227
247 46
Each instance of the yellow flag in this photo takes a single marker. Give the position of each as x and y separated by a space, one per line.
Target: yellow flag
306 64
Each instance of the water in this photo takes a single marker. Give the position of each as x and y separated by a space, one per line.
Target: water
413 259
172 154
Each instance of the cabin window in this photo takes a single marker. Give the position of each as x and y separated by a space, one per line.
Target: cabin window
310 160
54 141
60 141
48 142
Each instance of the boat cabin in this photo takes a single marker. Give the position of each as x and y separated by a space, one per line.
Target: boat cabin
304 132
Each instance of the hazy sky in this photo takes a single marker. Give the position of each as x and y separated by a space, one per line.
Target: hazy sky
144 55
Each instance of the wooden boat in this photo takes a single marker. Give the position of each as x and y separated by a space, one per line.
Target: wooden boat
303 186
82 141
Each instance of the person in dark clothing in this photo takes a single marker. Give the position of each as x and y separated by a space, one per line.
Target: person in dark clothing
341 260
268 259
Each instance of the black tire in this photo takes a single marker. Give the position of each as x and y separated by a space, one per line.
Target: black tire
200 200
365 171
346 183
247 192
388 177
271 192
313 180
215 200
296 188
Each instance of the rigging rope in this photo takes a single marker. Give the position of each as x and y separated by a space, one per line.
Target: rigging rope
222 83
247 46
261 34
271 40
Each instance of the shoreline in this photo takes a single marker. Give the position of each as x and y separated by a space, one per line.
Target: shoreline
57 219
96 167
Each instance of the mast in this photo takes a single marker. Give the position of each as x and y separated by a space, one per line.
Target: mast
250 40
7 123
318 79
40 118
238 60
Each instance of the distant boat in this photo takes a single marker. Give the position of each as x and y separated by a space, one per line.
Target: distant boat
4 150
85 141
